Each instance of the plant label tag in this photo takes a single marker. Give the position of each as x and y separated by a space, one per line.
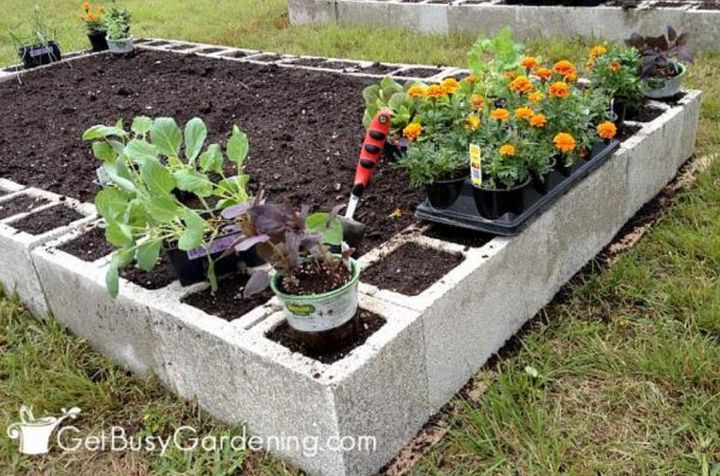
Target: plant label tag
475 165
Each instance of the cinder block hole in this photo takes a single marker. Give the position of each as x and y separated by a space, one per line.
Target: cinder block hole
411 269
319 347
459 236
158 43
235 54
228 302
47 220
181 47
379 68
21 204
419 72
90 246
267 58
209 51
162 275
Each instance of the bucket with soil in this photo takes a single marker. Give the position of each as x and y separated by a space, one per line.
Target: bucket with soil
320 302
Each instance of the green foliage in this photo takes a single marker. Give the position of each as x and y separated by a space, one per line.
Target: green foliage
148 167
389 94
429 161
117 23
497 54
615 74
40 35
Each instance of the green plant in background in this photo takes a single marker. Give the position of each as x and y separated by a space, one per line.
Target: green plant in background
147 168
389 94
614 72
117 24
40 35
490 58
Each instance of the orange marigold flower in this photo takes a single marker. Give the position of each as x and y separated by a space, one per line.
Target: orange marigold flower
86 6
436 91
564 142
523 113
559 89
529 62
477 101
412 131
598 50
606 130
571 77
417 91
543 73
564 67
535 97
538 120
451 85
91 16
507 149
521 84
473 122
500 114
615 67
510 74
472 79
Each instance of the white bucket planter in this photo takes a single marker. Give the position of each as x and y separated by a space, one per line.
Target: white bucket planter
659 88
321 312
121 46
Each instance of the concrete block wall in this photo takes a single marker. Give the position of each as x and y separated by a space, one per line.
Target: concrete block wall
527 21
389 386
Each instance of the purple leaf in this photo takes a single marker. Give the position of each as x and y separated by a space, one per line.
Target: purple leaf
236 210
251 241
269 219
671 33
258 282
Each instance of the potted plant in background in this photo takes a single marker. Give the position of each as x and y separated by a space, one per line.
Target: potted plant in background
663 61
92 19
318 289
614 72
117 24
145 212
39 47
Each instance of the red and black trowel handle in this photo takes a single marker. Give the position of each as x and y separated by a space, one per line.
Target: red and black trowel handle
370 153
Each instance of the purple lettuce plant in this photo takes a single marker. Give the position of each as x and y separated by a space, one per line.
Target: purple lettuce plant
660 53
285 238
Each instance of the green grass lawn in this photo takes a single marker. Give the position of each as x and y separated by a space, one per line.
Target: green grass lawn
628 365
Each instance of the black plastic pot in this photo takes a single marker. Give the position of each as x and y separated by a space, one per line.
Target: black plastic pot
392 151
98 40
191 271
623 111
540 183
494 203
38 55
443 193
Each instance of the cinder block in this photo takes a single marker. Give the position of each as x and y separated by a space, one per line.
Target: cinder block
8 186
481 19
317 12
18 273
243 376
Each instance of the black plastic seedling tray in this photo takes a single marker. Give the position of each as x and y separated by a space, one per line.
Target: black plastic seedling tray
464 214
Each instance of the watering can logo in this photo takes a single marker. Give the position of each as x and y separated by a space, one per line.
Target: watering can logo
34 433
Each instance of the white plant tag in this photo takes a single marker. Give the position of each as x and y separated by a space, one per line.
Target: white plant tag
475 165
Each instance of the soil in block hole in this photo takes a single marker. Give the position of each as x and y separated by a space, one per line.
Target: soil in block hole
459 236
627 132
378 68
366 324
89 246
646 114
21 204
228 301
162 275
419 72
410 269
48 219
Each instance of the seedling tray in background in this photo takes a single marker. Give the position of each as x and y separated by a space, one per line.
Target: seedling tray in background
464 214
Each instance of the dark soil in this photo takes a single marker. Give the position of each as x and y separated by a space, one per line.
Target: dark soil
21 204
267 58
161 276
304 126
228 302
420 72
90 246
673 100
646 114
208 51
625 132
180 47
709 6
667 5
315 278
323 63
411 269
366 324
48 219
460 236
379 68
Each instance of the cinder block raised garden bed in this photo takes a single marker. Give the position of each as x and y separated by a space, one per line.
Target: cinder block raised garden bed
610 20
418 345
